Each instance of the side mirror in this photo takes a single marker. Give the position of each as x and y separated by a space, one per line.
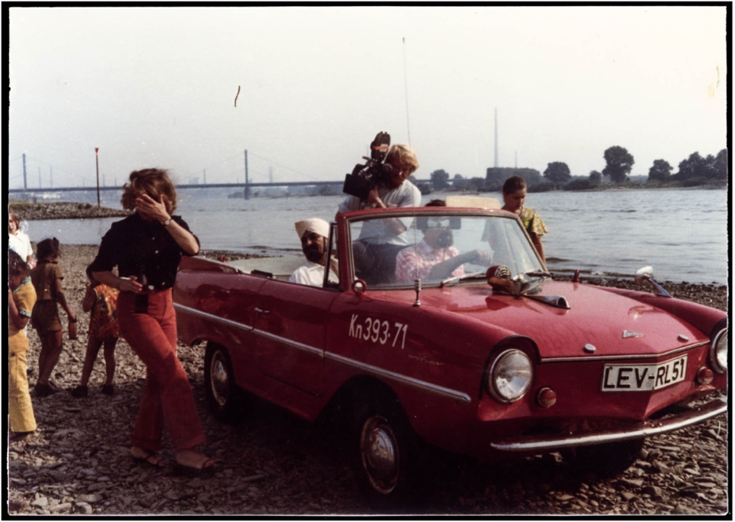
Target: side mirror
645 275
359 286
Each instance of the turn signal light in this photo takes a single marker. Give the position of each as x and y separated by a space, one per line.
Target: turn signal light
546 397
705 375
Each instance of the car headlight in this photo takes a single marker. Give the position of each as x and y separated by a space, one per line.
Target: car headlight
510 376
718 352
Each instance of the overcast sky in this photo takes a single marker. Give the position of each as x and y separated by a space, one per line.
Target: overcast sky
156 87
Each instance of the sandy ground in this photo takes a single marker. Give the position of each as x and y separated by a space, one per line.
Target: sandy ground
272 463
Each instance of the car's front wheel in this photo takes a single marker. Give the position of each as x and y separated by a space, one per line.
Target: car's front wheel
384 454
222 393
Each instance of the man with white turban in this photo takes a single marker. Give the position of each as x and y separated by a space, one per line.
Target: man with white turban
314 235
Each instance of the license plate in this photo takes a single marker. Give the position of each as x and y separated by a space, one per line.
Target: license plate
643 377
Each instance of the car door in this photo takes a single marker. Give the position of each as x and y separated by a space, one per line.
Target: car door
231 298
290 326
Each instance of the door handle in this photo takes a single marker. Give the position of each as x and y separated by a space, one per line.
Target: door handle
262 311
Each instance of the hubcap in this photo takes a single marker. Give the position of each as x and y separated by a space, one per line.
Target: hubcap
220 383
379 450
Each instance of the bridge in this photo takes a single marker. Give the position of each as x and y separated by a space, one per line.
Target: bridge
245 186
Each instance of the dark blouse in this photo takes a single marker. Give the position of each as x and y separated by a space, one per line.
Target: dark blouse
143 249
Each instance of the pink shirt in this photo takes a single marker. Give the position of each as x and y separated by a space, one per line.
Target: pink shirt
417 261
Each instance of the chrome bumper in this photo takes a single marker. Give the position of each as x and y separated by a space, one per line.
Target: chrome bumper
543 443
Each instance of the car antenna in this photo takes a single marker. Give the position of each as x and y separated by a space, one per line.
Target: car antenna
405 85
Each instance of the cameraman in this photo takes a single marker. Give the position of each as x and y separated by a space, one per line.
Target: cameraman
380 240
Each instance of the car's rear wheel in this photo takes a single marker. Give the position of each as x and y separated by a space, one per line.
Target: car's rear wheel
606 460
384 454
222 393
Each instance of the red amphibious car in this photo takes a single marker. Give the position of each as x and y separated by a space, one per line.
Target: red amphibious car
488 360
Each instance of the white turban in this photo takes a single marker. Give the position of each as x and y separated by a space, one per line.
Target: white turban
316 225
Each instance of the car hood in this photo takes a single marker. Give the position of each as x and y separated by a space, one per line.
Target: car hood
613 324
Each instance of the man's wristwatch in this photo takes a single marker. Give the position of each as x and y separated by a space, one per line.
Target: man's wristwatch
167 222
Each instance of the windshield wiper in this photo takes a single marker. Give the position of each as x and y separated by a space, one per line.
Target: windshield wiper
456 279
538 273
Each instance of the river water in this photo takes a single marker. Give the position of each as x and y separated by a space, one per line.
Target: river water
683 234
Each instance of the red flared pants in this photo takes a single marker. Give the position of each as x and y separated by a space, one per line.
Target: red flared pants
167 397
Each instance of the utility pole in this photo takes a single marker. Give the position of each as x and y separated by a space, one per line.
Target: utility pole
496 137
247 181
97 161
25 179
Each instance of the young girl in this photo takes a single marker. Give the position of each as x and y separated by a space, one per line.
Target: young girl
46 278
514 195
101 301
21 298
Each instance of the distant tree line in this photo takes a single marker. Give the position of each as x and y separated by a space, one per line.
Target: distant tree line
695 170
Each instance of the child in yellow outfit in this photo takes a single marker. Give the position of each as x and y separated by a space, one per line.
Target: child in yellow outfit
21 298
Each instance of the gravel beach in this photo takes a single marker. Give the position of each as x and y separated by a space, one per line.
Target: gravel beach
275 464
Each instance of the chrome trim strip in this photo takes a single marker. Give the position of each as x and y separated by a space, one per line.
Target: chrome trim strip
623 357
220 263
205 315
637 431
291 344
410 381
444 211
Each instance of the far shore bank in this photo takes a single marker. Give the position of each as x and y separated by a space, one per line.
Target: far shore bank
34 211
62 210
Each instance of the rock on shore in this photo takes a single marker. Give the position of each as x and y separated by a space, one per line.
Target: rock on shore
275 464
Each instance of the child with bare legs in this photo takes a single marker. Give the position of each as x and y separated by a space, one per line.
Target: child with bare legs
46 278
101 301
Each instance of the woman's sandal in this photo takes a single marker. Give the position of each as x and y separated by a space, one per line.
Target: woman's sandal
152 459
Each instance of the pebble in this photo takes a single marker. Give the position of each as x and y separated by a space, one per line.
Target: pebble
40 502
171 495
681 509
633 483
659 467
83 508
60 508
654 491
89 499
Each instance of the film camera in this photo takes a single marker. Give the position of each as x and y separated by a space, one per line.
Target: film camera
365 177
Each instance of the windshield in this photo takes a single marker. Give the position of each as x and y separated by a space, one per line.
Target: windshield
393 252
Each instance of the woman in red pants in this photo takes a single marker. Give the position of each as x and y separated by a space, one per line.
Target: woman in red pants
146 247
